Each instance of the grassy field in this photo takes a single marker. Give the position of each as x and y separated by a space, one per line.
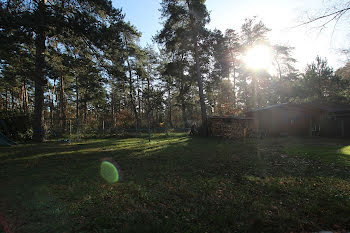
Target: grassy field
177 184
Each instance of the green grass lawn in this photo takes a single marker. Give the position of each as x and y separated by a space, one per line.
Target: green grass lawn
177 184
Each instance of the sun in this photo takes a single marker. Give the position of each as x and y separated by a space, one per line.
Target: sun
258 57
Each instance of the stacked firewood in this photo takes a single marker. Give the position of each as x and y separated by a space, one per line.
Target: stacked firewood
231 128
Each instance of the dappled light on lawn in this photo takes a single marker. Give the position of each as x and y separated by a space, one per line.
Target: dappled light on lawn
258 57
345 150
337 154
170 183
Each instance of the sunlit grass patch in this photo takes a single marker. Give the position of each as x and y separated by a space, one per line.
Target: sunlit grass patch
345 150
328 153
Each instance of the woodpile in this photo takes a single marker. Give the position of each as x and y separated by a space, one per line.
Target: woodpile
231 127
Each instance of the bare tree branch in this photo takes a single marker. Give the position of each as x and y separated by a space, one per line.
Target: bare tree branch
334 16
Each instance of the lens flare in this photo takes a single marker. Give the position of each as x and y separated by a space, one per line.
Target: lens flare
109 172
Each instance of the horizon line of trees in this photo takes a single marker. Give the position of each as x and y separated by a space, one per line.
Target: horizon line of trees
75 60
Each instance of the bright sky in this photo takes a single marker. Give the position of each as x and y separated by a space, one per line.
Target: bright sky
278 15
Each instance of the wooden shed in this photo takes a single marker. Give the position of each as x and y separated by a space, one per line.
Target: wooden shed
336 123
302 120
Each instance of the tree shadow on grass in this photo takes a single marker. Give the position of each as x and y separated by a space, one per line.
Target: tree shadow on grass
185 183
69 161
34 183
32 151
215 190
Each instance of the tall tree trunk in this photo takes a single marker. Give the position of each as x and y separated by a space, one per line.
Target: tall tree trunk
1 103
52 103
113 108
85 106
85 111
234 79
51 108
204 129
40 80
254 90
18 97
21 98
26 101
24 98
183 104
184 115
12 99
139 99
148 110
77 106
244 94
124 96
131 90
319 92
170 109
6 100
62 105
234 88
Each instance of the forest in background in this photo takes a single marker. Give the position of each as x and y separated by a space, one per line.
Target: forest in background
74 66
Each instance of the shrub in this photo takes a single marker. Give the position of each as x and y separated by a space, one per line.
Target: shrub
16 125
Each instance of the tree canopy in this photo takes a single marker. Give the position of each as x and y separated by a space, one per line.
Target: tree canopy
77 66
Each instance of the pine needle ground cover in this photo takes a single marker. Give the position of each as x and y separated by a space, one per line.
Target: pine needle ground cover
177 184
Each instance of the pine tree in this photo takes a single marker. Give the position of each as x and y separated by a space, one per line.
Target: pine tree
186 39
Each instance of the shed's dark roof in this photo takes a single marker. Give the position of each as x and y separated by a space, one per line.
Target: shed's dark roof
333 108
330 108
302 106
230 117
269 107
